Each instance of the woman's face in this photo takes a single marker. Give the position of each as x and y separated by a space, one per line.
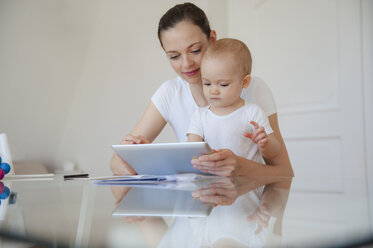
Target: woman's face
185 45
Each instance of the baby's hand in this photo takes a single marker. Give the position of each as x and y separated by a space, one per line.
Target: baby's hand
259 136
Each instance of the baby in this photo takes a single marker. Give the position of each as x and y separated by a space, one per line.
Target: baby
225 70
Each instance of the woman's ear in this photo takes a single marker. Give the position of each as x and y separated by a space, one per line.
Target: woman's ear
212 36
246 81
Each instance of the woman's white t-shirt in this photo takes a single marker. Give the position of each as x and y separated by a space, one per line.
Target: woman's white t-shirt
176 104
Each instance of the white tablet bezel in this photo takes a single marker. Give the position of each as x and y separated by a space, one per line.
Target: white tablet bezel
162 158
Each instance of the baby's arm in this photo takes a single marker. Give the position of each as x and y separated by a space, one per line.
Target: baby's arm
195 129
268 145
194 138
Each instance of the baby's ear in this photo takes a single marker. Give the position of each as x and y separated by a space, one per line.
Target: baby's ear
246 81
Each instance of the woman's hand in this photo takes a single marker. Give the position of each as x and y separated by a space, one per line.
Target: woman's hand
134 139
222 163
120 167
132 219
222 192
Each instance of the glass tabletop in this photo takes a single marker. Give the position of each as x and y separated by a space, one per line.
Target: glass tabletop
216 212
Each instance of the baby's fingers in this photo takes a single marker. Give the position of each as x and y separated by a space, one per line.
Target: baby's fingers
256 126
248 135
256 134
263 142
260 137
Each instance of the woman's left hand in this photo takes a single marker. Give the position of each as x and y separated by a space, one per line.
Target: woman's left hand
222 192
221 163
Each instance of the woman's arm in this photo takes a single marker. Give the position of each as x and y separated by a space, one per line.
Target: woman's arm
150 125
146 130
225 163
282 159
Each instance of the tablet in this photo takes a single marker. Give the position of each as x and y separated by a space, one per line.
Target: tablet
162 158
161 202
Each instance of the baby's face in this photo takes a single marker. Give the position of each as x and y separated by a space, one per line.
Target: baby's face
222 80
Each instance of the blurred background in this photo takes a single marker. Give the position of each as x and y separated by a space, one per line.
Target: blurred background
76 76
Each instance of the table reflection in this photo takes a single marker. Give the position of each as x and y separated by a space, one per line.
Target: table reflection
246 212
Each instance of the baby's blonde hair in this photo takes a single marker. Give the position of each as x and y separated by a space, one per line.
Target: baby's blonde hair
234 47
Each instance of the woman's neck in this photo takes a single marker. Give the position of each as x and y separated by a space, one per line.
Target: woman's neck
197 93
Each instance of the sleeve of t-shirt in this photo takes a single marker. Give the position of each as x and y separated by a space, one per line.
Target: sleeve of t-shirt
263 97
260 117
162 99
195 125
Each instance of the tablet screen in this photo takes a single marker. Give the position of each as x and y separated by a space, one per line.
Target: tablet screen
162 158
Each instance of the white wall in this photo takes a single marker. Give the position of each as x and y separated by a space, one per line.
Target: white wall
42 47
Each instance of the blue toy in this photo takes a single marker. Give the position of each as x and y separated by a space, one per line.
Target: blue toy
5 194
5 167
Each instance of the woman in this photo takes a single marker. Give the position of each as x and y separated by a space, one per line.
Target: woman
184 34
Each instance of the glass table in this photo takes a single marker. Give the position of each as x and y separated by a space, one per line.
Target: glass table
217 212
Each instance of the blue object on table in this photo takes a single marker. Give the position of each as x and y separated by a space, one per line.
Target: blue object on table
5 167
0 159
5 194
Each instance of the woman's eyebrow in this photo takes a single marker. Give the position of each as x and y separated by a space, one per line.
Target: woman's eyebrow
172 52
195 43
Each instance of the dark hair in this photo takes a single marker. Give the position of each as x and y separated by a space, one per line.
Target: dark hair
184 12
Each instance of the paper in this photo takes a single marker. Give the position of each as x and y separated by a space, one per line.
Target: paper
149 179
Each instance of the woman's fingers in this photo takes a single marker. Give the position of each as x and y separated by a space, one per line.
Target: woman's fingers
216 156
222 163
131 219
224 172
218 194
217 199
212 191
132 139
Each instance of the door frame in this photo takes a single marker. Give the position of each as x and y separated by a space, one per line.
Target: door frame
367 55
